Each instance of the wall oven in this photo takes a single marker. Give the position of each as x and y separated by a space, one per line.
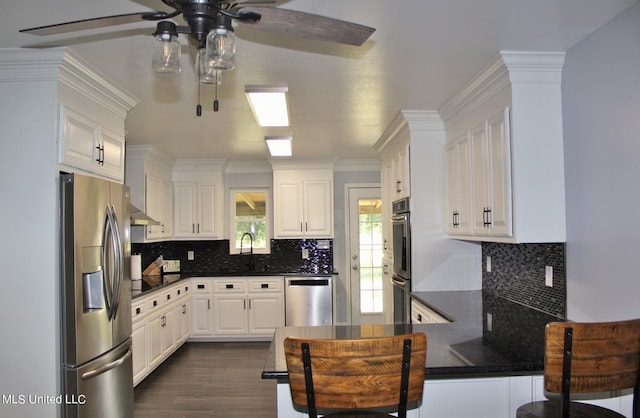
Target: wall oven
401 277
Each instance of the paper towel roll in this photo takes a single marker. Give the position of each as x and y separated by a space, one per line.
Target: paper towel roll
136 267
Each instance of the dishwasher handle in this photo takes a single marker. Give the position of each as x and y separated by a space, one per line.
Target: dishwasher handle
305 282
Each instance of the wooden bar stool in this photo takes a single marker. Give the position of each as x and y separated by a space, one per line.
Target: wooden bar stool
362 377
587 358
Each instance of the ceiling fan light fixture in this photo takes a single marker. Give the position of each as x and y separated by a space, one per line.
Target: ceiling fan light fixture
208 74
269 104
279 146
221 45
166 49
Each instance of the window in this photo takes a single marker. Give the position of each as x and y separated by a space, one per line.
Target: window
370 231
249 215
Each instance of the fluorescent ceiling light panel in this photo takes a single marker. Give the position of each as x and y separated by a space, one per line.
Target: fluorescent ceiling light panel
269 104
279 146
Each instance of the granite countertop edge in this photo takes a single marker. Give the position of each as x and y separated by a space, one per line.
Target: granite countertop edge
459 349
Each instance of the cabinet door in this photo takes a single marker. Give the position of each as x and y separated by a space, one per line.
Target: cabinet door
79 138
182 318
458 216
288 209
499 144
480 169
402 173
266 313
319 207
184 224
230 314
202 318
168 332
139 351
112 158
206 211
155 340
166 189
387 194
153 205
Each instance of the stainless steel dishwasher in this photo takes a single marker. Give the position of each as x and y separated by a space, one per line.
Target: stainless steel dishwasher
308 301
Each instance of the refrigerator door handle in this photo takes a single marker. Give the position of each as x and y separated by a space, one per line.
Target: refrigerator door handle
119 254
105 368
107 258
112 253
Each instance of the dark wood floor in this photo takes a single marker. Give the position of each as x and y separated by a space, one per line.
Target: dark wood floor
209 380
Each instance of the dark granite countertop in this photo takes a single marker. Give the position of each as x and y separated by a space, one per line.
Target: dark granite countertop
513 343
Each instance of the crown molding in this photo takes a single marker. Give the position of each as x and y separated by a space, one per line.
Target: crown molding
505 68
414 120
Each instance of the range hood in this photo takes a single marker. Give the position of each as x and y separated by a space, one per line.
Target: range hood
138 217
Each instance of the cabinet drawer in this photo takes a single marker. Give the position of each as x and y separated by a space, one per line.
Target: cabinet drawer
202 287
182 290
266 285
229 286
154 303
138 309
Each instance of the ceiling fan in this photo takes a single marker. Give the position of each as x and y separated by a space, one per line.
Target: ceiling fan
201 16
210 31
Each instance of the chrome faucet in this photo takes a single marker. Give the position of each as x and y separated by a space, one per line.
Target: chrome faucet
250 264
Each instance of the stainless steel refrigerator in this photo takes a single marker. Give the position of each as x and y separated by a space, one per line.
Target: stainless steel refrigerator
97 375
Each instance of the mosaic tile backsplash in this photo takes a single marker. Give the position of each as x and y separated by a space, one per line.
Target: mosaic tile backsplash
518 274
212 257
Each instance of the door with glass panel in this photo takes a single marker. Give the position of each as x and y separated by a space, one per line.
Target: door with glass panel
369 291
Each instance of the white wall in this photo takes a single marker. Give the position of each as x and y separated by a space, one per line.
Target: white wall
601 107
29 353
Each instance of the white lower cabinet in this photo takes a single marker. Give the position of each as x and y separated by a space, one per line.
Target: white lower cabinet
421 314
237 308
160 326
202 317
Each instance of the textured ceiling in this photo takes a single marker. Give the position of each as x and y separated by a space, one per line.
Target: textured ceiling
341 97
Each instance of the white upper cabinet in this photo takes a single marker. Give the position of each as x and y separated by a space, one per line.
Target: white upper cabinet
491 164
149 180
91 113
303 199
511 117
458 186
198 199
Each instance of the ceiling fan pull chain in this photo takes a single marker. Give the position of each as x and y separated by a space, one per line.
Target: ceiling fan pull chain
198 107
215 101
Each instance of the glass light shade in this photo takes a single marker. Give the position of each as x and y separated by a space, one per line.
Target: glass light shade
279 146
221 49
166 54
208 74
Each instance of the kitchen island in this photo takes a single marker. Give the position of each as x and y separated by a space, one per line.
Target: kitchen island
485 363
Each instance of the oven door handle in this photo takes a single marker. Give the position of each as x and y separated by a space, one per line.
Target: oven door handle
398 282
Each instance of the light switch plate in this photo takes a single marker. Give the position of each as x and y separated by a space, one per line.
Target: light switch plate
489 264
305 254
190 255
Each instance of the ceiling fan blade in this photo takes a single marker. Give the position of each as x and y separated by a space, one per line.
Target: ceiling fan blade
94 23
310 26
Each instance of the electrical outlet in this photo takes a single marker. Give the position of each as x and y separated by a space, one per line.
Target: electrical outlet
305 254
489 263
190 255
548 276
489 322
